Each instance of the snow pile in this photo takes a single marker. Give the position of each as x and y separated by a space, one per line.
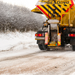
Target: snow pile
17 40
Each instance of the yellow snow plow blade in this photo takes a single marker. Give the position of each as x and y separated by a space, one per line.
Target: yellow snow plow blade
55 9
62 10
36 10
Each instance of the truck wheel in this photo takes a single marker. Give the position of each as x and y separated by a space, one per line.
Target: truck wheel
73 47
42 46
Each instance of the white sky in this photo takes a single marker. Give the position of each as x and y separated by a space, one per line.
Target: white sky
27 3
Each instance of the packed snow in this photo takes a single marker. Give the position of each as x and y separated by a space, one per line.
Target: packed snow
17 40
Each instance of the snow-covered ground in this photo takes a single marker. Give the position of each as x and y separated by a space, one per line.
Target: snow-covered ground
19 55
35 62
17 40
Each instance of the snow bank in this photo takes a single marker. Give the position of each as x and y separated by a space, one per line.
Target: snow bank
17 40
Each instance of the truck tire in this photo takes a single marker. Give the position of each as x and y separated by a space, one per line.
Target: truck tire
73 47
42 46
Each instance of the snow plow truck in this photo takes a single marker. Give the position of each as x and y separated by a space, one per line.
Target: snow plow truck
61 13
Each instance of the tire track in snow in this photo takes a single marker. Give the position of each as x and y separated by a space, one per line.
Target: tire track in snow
46 63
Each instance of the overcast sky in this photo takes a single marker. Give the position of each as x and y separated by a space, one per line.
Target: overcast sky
27 3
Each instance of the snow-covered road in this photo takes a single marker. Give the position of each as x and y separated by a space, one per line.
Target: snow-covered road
19 54
36 62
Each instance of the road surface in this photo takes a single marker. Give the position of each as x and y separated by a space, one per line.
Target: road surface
35 62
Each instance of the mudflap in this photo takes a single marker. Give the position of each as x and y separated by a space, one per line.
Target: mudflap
72 41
